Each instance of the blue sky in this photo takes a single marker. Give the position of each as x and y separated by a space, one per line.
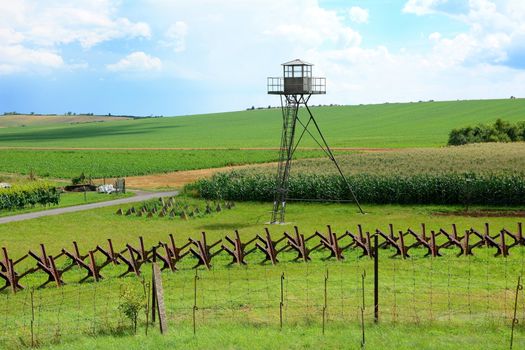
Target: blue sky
169 57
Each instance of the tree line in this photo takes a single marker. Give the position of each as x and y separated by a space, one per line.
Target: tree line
500 131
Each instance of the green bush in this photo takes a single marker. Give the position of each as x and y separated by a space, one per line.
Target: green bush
500 131
467 188
21 196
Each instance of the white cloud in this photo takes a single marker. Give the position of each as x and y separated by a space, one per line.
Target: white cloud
358 14
136 62
422 7
50 23
16 58
495 32
313 26
36 29
175 36
435 36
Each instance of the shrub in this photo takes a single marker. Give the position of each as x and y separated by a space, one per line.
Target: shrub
21 196
500 131
131 303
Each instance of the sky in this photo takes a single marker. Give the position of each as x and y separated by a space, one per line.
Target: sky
179 57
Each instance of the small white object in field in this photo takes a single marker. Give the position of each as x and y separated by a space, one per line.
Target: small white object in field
5 185
106 189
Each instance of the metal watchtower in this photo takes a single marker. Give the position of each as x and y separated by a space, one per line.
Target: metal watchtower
295 87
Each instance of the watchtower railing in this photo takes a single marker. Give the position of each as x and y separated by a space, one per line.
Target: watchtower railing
294 86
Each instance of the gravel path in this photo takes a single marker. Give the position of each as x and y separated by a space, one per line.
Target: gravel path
139 197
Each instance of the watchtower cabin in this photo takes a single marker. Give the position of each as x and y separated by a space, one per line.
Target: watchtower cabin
296 80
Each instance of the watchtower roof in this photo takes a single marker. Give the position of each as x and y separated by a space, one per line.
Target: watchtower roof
297 62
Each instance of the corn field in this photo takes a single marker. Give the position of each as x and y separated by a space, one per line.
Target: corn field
369 188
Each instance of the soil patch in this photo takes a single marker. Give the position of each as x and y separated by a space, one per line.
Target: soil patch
482 213
178 179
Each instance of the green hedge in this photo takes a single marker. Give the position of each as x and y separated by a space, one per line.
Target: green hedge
500 131
380 189
21 196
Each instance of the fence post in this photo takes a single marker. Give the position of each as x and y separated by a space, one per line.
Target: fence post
281 303
376 280
325 306
519 287
363 310
148 295
32 295
195 300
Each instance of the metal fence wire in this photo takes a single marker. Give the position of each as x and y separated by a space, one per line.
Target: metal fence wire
411 288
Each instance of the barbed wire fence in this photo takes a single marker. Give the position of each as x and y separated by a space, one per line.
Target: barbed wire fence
415 289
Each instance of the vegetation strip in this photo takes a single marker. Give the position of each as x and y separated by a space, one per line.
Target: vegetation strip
500 131
30 194
369 188
99 164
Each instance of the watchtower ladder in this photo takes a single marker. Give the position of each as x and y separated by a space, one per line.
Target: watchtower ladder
290 108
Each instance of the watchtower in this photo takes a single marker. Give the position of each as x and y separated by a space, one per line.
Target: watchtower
295 87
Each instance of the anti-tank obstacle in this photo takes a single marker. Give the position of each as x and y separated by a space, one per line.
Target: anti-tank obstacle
134 257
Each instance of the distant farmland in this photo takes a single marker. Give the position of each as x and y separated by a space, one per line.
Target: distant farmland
23 120
425 124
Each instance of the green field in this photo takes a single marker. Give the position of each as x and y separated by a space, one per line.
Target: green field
387 125
99 164
481 159
425 303
444 298
474 174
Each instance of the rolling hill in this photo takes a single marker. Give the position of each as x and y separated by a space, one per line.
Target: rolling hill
424 124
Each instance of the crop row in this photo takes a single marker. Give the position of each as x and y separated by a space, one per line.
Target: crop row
117 163
381 189
483 159
30 194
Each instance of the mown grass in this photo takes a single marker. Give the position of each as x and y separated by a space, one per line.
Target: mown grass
445 296
241 336
93 227
99 164
425 303
386 125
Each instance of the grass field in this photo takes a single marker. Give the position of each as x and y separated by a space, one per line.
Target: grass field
386 125
425 303
444 298
99 164
248 217
488 158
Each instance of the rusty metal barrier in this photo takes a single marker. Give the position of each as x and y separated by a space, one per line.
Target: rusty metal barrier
134 257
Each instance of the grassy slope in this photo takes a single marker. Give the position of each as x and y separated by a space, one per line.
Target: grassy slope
386 125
